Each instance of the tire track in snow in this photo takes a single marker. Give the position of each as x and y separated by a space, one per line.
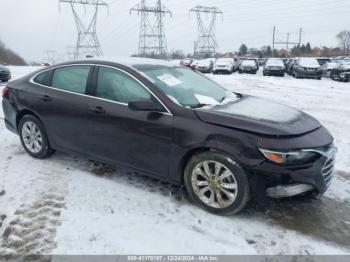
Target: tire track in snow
33 202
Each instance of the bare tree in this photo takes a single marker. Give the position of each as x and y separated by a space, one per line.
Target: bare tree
344 39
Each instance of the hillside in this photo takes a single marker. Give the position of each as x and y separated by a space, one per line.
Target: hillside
10 57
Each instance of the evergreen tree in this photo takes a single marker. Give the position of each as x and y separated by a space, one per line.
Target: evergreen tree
243 50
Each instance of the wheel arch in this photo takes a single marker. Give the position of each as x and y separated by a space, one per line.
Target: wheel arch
195 151
23 113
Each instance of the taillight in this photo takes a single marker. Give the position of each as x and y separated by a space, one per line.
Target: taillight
5 92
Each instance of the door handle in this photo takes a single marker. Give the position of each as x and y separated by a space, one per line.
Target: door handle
45 98
98 110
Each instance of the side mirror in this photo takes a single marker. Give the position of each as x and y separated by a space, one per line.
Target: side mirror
145 105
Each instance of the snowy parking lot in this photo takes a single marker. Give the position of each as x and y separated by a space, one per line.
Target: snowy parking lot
70 205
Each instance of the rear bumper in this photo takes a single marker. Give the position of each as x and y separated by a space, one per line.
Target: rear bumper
10 115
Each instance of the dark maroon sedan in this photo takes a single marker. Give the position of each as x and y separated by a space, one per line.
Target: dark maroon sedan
172 123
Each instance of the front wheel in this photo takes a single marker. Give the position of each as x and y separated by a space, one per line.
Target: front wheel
217 183
33 137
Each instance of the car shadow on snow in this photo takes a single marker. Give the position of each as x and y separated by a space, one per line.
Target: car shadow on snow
323 218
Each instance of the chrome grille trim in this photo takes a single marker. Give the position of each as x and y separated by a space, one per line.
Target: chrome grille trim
327 170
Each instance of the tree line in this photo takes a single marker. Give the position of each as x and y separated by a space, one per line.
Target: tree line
10 57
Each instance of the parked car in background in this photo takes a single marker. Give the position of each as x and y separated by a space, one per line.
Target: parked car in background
262 61
5 74
341 71
328 67
206 65
248 66
274 67
290 65
154 118
194 64
224 65
186 62
307 67
323 60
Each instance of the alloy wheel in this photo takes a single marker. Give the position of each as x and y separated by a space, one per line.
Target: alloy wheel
214 184
32 137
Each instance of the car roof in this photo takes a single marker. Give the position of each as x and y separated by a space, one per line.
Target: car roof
126 61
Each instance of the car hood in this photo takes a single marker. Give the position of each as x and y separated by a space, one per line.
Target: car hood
260 116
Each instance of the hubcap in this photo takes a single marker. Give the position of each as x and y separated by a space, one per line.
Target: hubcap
32 137
214 184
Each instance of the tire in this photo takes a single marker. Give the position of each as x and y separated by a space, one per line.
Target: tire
237 178
39 149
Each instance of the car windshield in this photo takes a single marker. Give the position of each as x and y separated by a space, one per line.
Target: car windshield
224 60
309 62
205 62
186 87
248 63
274 62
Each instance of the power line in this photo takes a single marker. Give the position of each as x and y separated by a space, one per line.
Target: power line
287 42
87 42
206 42
152 39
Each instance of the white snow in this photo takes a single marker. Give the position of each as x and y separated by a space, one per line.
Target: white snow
309 62
92 210
257 108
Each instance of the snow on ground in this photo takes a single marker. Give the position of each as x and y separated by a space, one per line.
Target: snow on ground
69 205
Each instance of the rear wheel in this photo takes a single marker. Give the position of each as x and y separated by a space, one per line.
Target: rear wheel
33 137
217 183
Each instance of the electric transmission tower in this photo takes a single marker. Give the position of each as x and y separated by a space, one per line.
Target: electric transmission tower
206 44
87 42
152 41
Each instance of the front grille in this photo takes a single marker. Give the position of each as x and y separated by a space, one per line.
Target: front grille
328 170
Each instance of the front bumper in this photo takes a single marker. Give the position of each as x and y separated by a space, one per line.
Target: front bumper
204 69
5 76
310 74
248 70
274 71
223 70
286 181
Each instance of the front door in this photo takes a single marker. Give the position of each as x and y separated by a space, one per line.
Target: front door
141 140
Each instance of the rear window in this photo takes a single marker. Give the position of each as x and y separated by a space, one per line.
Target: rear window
43 78
71 78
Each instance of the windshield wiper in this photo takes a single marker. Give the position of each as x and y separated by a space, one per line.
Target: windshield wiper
200 105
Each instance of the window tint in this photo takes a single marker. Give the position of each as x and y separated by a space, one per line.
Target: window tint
43 78
117 86
72 78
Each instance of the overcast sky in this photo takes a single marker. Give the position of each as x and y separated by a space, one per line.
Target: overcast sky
32 26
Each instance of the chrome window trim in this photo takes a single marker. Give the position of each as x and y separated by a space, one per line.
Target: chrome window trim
31 80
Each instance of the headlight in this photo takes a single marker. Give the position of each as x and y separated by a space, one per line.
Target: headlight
294 157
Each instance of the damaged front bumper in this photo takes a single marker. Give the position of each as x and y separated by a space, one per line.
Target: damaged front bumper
289 181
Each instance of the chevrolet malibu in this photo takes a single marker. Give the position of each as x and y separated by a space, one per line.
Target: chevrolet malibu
172 123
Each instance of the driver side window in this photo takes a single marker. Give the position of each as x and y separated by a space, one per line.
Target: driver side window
115 85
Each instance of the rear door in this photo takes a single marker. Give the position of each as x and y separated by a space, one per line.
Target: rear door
64 107
140 140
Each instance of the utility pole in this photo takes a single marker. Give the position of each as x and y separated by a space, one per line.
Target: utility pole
273 41
300 35
50 56
206 41
287 43
87 42
152 40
